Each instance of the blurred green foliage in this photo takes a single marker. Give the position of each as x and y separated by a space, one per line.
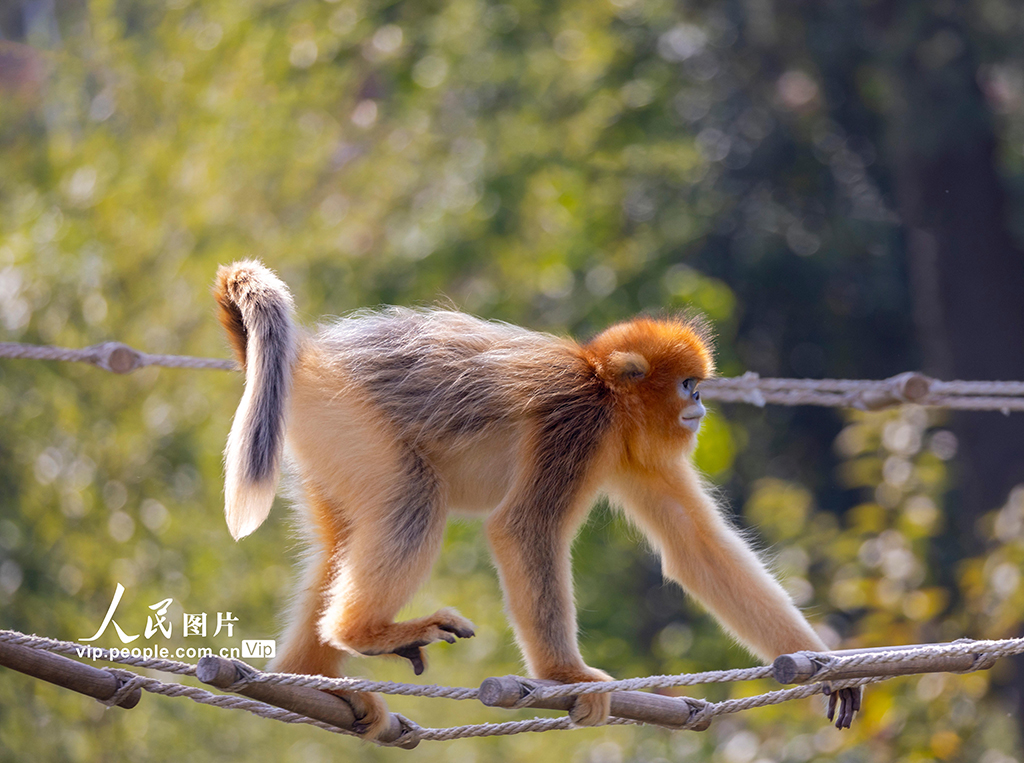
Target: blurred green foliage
560 165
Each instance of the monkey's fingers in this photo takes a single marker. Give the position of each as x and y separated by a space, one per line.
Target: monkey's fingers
831 712
849 703
458 630
414 654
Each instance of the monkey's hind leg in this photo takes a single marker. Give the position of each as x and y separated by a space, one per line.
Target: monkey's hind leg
394 540
300 649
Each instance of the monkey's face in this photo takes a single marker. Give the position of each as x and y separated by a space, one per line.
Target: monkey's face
692 411
653 368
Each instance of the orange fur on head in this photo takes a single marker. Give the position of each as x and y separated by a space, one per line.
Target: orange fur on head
675 347
642 361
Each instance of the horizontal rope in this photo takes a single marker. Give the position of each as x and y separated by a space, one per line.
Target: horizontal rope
110 356
72 649
253 675
911 387
750 388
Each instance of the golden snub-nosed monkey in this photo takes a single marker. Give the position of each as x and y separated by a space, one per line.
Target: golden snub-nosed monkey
393 418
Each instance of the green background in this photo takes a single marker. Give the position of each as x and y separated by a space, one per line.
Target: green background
837 186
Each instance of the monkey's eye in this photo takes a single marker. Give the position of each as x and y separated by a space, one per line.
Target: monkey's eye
688 388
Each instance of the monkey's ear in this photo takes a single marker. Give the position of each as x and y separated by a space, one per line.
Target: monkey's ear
628 366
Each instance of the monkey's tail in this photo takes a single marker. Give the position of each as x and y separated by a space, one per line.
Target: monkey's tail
256 310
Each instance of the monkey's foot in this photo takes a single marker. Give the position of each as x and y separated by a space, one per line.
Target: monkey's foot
589 709
371 714
849 703
407 639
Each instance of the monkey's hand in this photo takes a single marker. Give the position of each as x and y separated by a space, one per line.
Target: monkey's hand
589 709
849 703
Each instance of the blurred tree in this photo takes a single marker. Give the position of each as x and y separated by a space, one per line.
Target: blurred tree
966 269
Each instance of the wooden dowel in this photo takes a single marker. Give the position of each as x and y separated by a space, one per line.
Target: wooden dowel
907 387
312 703
63 671
800 668
672 712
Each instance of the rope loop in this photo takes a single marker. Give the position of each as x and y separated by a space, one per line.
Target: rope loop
701 715
411 732
128 681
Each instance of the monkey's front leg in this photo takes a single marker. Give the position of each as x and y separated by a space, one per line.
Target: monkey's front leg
708 558
532 553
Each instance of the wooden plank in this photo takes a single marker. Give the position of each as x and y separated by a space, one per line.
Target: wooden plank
801 667
312 703
63 671
671 712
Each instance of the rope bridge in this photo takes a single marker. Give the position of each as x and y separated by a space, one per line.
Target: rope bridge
293 698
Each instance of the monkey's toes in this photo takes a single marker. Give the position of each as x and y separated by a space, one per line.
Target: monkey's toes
414 654
590 709
450 621
461 631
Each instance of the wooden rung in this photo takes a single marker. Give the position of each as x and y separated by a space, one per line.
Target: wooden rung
312 703
801 667
672 712
63 671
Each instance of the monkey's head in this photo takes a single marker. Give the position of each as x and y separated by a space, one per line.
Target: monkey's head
653 368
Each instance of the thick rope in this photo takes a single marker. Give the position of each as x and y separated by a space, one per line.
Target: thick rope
1005 396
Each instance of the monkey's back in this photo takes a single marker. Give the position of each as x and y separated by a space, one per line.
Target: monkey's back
441 374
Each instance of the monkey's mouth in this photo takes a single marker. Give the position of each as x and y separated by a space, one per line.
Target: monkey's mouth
691 422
